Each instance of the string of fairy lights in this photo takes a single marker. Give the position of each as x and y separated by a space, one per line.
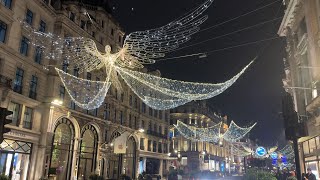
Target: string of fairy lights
213 133
141 47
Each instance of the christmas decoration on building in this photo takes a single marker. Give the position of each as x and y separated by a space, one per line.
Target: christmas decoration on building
139 48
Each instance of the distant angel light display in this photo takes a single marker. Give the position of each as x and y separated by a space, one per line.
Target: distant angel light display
261 151
139 48
213 133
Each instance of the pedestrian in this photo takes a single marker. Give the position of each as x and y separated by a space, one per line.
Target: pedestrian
310 175
292 176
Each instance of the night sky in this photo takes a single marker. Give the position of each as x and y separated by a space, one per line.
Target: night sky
256 96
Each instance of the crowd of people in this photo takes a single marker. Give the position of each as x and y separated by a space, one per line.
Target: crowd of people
285 175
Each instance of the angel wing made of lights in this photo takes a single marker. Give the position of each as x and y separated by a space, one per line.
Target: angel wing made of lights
141 47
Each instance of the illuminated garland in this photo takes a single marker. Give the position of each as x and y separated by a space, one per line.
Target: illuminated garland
235 132
141 47
211 134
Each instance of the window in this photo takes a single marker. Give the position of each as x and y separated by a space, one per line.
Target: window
29 17
112 32
27 120
72 16
155 114
82 24
142 143
154 149
76 72
155 127
17 86
106 136
88 76
16 109
33 87
166 132
142 124
130 120
38 55
120 39
102 24
24 46
42 27
115 115
73 104
150 111
160 130
165 148
160 114
135 103
95 112
116 93
65 65
62 92
93 34
3 31
122 97
159 147
135 123
121 117
149 145
143 108
7 3
130 100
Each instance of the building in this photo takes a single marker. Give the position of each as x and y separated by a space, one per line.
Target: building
194 155
50 136
301 27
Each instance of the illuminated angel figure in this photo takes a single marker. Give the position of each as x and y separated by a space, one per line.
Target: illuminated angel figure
141 47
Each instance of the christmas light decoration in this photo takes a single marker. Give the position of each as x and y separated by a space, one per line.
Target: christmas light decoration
237 149
235 132
141 47
211 134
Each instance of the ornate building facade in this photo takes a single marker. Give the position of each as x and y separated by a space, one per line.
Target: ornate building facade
301 27
199 156
50 136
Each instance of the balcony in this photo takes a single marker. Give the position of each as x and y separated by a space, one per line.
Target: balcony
154 133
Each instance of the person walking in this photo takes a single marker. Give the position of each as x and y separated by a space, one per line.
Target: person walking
310 175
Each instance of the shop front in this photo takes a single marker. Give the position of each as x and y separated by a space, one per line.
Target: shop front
15 157
311 155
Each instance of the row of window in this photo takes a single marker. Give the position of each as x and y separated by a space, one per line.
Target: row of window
152 146
18 84
85 26
17 119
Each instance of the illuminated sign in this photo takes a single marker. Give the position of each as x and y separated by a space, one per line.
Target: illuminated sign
261 151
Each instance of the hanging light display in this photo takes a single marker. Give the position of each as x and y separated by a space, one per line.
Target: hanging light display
141 47
213 133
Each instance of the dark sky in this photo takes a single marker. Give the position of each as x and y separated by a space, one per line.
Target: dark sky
256 96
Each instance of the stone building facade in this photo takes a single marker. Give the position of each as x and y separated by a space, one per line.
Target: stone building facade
63 141
301 27
199 156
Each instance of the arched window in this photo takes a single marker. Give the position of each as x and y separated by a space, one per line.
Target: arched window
62 150
88 152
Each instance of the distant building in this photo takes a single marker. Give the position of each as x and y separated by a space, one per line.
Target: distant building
301 27
64 141
198 156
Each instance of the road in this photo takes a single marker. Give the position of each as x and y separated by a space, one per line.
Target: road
228 178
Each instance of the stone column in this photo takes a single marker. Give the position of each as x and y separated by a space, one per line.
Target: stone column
161 167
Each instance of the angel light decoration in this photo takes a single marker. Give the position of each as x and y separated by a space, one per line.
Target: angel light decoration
139 48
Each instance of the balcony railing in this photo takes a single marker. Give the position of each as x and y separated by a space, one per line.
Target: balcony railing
154 133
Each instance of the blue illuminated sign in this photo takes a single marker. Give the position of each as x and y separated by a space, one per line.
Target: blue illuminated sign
261 151
274 155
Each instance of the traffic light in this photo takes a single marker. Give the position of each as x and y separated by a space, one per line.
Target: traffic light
290 117
3 121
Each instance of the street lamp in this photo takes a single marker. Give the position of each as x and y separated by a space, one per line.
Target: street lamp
57 102
141 130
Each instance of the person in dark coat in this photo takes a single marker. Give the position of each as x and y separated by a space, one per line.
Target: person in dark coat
310 175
